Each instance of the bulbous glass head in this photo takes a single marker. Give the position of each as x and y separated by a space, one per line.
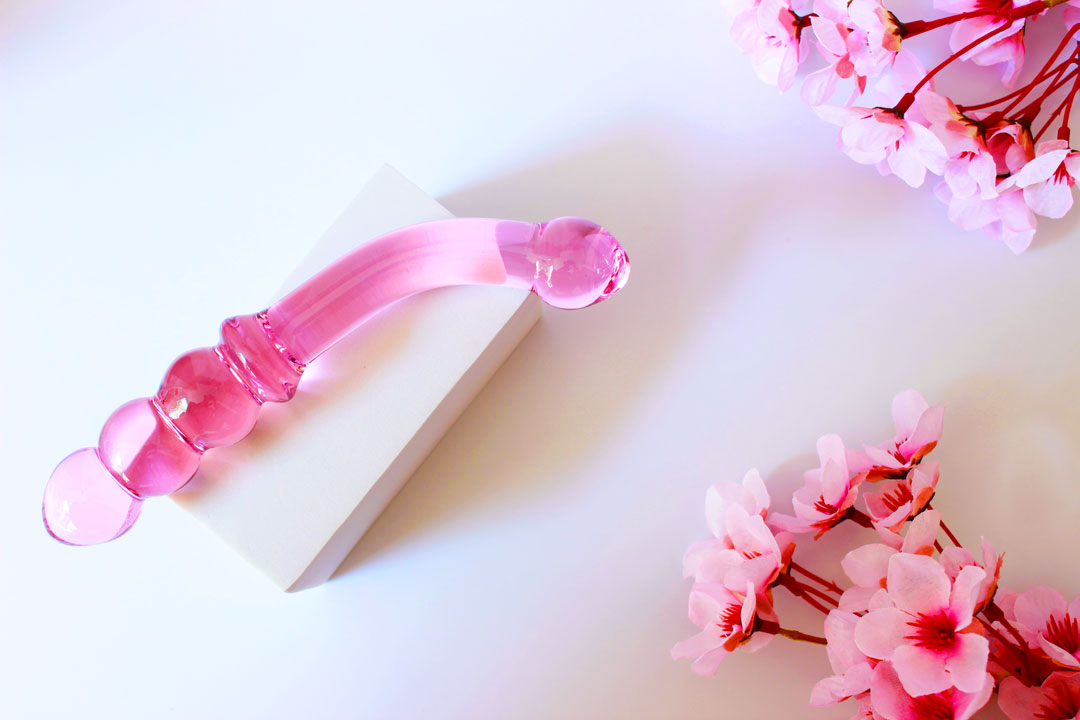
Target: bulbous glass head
84 504
578 263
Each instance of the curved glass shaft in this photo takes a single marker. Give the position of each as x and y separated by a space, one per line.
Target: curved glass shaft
568 262
211 397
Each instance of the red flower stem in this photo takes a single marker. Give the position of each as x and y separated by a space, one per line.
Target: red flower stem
948 532
918 27
937 546
909 98
774 628
1053 116
827 584
1053 74
801 636
1056 82
1020 651
1044 73
825 597
1021 671
1001 638
797 589
1031 110
994 613
1063 131
859 517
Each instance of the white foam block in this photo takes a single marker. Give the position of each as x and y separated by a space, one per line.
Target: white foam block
296 495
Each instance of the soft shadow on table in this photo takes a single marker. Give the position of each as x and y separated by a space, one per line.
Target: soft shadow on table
1010 453
552 404
1051 232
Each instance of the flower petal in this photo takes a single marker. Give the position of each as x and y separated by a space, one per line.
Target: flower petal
917 584
1058 654
922 532
1035 607
1041 168
1019 701
1052 199
840 633
967 704
907 408
967 667
921 671
698 645
868 565
880 632
709 663
887 695
925 435
965 593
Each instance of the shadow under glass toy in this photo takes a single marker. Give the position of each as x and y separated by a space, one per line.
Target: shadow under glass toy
211 397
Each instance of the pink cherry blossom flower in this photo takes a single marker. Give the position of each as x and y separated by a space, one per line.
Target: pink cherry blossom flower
955 559
751 494
828 494
875 39
918 429
1003 214
832 42
971 168
1011 145
972 173
749 551
900 500
1047 180
727 620
867 566
866 711
930 635
851 668
1050 624
770 34
891 700
878 136
1006 218
1057 699
1005 48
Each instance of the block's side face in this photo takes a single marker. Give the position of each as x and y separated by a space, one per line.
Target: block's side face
367 510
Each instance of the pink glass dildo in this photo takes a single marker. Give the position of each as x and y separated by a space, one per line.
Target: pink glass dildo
211 396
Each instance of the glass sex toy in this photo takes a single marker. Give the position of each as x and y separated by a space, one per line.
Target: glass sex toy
211 397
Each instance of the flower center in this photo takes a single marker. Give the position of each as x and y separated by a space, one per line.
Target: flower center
825 508
1064 632
933 632
731 617
897 496
932 707
1058 704
996 7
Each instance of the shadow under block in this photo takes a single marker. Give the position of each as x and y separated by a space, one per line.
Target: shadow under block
296 495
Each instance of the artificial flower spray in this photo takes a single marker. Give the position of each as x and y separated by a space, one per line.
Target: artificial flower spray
919 630
1003 158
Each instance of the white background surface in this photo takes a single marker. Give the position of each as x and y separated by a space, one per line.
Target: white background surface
163 165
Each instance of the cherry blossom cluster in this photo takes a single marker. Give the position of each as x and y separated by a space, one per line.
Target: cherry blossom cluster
920 629
998 162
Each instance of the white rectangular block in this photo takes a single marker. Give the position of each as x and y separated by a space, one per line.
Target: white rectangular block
296 495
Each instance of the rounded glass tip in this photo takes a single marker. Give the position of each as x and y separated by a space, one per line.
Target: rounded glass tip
578 263
84 504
